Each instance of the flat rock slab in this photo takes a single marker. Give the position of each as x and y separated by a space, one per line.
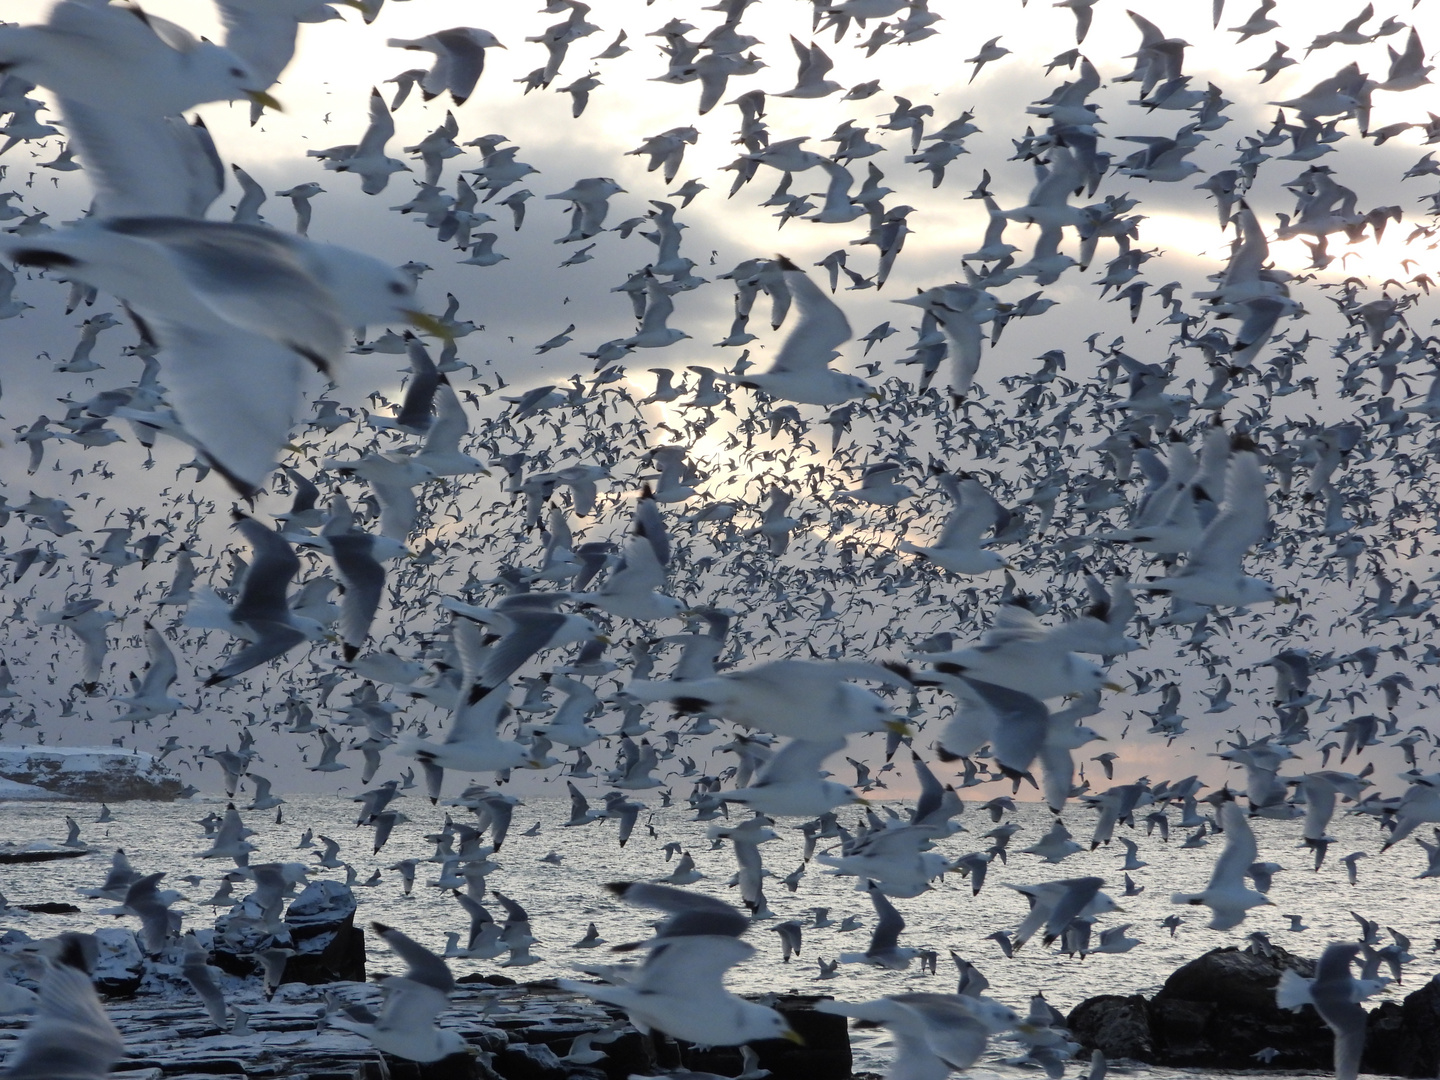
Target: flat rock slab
10 856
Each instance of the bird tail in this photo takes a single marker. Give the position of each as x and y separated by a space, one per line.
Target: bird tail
1293 991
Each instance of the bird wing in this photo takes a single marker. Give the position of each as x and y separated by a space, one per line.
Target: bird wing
409 1006
649 524
267 580
1013 624
641 572
450 424
1240 524
689 966
888 923
145 165
799 759
978 511
951 1032
1240 849
1333 994
821 330
691 914
422 967
364 579
265 39
460 62
71 1037
380 131
252 278
235 393
162 671
532 632
478 721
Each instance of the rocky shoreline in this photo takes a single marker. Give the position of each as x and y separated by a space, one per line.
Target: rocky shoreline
1215 1012
521 1032
1219 1012
517 1031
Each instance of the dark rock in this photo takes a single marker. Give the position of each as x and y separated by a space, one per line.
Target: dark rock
462 1066
825 1054
529 1061
1217 1011
233 963
1237 978
218 1067
1404 1039
319 907
627 1055
329 947
12 855
1387 1050
341 957
1115 1024
486 980
50 907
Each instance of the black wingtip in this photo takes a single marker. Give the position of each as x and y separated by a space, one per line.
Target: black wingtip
79 951
896 667
43 259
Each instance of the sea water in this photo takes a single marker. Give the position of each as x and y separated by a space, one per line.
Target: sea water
562 899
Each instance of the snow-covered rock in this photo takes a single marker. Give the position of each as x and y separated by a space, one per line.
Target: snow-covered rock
87 772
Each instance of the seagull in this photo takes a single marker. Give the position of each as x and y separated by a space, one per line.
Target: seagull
367 158
957 549
884 949
810 81
200 975
459 60
991 50
1212 573
1227 896
633 589
238 310
801 370
679 989
791 783
406 1024
261 616
1335 993
1019 653
87 621
933 1033
801 699
472 743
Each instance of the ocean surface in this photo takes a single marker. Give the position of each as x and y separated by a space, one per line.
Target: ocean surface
562 899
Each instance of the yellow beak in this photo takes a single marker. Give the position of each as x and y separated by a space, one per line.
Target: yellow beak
260 97
430 324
